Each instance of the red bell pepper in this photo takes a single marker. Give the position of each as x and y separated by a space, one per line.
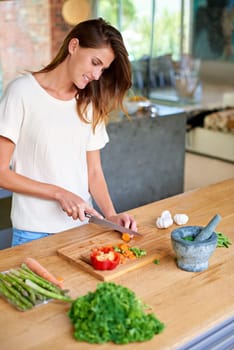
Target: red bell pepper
104 258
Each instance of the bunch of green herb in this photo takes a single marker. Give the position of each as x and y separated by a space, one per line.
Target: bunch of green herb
112 314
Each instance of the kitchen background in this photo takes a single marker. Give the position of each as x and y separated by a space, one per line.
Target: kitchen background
31 33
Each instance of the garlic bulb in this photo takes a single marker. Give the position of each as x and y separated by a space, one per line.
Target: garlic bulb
165 220
181 219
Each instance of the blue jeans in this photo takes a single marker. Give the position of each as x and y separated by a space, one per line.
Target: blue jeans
21 236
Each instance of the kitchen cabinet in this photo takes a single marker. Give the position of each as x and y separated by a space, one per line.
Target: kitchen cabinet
5 222
144 160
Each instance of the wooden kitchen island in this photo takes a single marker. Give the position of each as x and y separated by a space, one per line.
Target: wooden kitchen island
191 305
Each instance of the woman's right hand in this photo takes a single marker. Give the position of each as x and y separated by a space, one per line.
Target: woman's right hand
74 205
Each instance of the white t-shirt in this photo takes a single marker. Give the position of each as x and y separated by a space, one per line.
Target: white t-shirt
51 143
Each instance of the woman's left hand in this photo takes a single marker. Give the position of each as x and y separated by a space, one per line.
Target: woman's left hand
124 220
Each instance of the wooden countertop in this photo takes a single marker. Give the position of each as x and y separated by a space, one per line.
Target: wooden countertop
188 303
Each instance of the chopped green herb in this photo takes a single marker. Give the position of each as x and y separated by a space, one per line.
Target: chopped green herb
117 249
188 238
222 240
112 314
156 262
138 251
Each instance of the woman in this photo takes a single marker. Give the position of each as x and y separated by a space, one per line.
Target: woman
52 127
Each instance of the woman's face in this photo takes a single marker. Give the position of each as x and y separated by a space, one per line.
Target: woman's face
87 64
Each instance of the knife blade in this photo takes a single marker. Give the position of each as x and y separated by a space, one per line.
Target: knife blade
106 223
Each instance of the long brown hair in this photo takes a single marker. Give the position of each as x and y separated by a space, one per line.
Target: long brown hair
108 92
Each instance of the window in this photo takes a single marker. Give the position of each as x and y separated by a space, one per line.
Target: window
159 27
155 33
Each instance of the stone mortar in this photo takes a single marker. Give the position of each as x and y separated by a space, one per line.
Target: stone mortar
192 256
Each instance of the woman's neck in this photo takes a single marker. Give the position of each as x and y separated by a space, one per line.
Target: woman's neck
56 84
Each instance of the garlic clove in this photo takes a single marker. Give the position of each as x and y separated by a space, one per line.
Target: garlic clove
181 219
167 222
166 214
164 222
158 222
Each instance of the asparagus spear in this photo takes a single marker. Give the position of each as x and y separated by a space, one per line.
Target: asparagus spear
15 294
17 285
47 288
11 298
46 292
25 288
27 273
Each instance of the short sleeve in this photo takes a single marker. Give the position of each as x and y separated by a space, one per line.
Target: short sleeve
11 112
98 139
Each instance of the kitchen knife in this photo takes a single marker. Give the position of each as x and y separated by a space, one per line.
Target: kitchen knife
103 222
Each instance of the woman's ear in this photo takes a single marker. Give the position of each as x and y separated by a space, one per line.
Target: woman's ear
73 44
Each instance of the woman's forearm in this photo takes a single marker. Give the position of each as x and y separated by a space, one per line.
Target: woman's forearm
14 182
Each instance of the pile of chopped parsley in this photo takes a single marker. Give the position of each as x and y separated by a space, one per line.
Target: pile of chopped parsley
112 314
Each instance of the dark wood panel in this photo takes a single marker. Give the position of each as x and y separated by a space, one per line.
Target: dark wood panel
5 209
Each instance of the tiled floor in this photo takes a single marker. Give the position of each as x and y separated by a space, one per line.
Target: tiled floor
201 171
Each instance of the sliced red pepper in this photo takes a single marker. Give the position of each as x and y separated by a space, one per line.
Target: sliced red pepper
104 258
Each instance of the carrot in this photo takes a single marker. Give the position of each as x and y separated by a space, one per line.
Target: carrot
60 279
122 259
123 246
40 270
126 237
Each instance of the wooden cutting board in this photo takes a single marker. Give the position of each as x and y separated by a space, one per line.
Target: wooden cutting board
79 252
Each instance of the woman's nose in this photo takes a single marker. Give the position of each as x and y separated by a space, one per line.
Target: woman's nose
97 73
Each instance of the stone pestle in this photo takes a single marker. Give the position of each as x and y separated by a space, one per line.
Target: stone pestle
207 231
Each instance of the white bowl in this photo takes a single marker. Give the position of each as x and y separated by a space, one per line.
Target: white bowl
131 106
